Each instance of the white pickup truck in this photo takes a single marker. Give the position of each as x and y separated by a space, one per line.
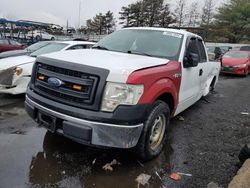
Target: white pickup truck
123 92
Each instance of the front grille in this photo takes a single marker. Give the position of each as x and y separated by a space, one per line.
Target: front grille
76 88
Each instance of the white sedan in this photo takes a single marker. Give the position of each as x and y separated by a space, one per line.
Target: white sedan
40 35
15 72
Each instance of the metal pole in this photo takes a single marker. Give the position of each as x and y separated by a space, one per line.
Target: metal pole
79 14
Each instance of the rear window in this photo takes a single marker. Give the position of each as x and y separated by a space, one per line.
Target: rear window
245 48
3 41
37 46
15 43
203 56
53 47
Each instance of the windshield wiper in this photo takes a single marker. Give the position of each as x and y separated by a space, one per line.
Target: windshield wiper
100 47
139 53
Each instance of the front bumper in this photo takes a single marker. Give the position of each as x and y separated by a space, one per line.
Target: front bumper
85 131
19 86
233 70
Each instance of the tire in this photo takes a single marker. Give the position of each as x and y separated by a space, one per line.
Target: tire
244 153
52 38
155 127
212 85
38 37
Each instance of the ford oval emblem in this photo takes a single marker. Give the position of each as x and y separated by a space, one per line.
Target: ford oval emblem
54 82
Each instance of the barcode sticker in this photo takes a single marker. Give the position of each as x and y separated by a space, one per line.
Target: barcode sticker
172 34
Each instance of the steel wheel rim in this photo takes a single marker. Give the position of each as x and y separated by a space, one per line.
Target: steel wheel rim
157 132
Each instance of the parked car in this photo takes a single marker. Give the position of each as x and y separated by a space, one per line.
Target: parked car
245 48
215 52
236 62
123 91
8 45
25 51
40 35
15 72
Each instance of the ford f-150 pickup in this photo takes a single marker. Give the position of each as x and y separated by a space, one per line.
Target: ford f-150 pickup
123 92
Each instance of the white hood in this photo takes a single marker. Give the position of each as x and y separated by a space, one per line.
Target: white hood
6 63
120 65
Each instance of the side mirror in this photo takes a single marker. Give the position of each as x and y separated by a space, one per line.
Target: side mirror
191 60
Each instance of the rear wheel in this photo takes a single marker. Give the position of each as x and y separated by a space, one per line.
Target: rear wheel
212 85
38 37
154 134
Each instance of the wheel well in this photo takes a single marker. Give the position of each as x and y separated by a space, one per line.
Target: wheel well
167 98
213 82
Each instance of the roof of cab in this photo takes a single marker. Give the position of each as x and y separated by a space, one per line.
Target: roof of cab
179 31
74 42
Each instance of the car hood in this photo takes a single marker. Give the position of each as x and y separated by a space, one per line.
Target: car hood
233 61
120 65
15 61
13 53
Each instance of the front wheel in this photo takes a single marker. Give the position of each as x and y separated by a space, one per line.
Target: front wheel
153 136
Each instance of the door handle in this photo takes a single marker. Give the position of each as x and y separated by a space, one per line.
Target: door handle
201 72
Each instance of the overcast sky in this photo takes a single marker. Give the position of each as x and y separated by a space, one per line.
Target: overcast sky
58 11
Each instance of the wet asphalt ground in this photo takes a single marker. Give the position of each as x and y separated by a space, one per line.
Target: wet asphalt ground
205 144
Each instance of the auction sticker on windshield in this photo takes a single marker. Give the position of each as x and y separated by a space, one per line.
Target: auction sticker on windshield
172 34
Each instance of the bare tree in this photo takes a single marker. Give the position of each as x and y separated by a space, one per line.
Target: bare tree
207 13
180 12
193 14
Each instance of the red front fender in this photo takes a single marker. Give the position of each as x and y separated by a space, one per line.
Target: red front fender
157 81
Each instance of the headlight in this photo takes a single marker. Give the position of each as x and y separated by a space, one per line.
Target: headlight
116 94
241 65
18 71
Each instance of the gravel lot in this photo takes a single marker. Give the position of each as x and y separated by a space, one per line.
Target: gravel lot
206 144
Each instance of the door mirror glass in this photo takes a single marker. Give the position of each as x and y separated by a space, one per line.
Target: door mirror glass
191 60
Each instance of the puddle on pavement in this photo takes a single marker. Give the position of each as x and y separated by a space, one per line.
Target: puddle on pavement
219 95
11 100
54 161
12 110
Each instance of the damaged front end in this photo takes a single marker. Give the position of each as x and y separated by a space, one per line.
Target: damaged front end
6 77
13 81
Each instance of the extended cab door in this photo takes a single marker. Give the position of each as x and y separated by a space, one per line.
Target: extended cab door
204 66
191 75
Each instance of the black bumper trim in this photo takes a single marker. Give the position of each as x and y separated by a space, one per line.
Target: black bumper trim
83 131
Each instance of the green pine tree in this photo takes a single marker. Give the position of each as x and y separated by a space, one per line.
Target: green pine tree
233 21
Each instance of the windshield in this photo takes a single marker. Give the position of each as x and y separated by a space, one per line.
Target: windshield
53 47
163 44
236 55
36 46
